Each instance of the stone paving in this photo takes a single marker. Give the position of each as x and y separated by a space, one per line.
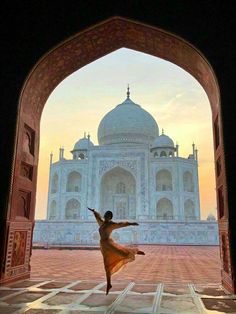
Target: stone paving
168 264
88 297
167 280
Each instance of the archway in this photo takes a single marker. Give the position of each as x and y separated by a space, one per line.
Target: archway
118 193
188 181
189 210
73 182
72 209
68 57
164 209
164 180
53 210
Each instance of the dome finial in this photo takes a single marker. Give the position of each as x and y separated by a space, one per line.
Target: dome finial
128 92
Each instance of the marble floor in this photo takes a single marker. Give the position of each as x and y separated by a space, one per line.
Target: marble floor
88 297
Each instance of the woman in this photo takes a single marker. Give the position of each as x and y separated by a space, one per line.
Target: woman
115 256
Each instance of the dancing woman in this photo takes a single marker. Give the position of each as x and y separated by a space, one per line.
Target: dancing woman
115 256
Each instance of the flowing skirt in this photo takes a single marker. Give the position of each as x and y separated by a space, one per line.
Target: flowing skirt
115 256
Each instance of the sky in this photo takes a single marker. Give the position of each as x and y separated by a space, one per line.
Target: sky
171 95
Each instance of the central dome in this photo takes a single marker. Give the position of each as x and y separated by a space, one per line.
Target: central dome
127 123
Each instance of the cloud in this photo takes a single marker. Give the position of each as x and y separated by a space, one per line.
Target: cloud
172 100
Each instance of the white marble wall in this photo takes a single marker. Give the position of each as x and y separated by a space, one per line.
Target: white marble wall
149 232
141 164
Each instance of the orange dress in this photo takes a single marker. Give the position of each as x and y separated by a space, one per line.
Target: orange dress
115 256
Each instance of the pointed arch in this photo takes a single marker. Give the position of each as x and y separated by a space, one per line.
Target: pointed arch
188 182
164 209
53 210
73 183
164 180
118 193
163 154
72 209
189 210
76 52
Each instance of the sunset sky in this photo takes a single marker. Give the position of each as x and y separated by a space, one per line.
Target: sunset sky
173 97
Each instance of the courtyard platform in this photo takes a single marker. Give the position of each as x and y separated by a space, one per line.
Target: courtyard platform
168 264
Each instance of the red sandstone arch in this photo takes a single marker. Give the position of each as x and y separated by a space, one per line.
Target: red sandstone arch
51 69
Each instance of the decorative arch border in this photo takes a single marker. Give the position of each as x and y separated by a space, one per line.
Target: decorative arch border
69 56
113 167
107 165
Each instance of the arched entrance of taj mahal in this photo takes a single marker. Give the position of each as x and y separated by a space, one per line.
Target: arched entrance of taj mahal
118 193
60 62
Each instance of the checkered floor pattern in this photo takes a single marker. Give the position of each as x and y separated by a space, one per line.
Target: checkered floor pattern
84 297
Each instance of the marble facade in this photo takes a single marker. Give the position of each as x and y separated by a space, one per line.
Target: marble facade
136 173
86 233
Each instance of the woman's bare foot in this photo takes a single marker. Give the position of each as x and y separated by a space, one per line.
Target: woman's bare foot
140 253
108 288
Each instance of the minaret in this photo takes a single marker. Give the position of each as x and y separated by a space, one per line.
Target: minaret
196 154
193 145
51 156
128 92
61 153
177 149
88 137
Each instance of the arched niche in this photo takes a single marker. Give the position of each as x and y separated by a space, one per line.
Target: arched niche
164 209
53 210
73 183
54 184
188 182
163 153
118 193
72 209
189 210
164 180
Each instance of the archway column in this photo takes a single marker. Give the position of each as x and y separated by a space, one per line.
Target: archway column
60 62
19 222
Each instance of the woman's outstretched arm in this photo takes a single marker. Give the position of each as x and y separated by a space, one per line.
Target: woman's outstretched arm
117 225
97 216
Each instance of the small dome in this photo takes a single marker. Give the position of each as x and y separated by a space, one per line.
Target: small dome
211 217
127 123
83 144
163 141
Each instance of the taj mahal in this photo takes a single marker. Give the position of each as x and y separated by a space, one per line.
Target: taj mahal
135 172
